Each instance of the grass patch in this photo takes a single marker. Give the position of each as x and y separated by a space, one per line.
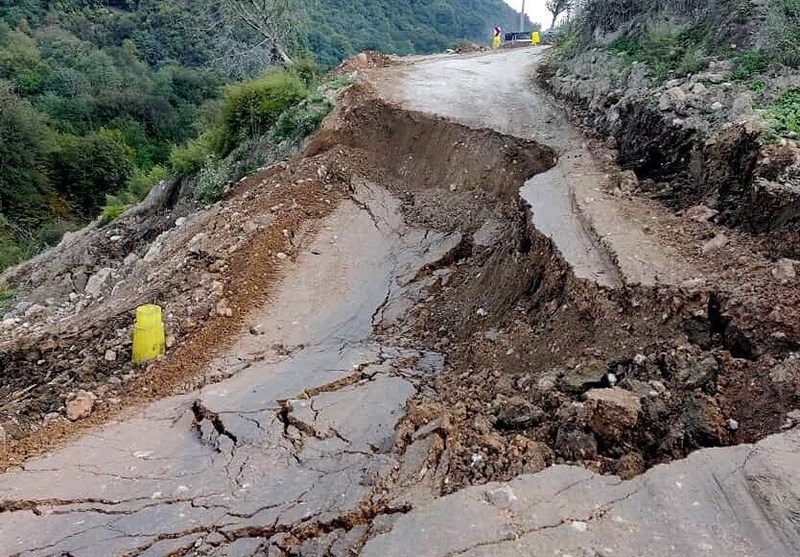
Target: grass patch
783 114
6 295
750 63
668 50
758 85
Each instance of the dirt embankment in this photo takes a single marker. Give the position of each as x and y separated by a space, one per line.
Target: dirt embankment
691 141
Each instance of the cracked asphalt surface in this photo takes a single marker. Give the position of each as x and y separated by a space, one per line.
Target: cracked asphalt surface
298 455
275 450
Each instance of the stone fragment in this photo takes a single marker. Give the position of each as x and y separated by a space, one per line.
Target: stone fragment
702 372
715 244
517 413
701 213
784 269
583 377
630 465
575 444
501 497
673 97
703 421
612 412
97 282
81 406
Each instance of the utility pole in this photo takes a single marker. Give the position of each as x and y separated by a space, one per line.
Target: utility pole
522 18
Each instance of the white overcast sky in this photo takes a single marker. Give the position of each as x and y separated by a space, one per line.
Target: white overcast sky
535 10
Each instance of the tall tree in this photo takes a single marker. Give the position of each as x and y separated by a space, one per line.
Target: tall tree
557 7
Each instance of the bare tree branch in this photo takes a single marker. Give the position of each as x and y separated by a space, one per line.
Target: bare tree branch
557 7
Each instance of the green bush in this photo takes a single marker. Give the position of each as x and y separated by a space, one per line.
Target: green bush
188 159
87 168
668 49
303 120
213 180
568 42
6 292
251 108
112 211
783 31
783 114
139 186
749 63
306 69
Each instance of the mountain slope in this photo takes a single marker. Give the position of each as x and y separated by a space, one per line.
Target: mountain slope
114 84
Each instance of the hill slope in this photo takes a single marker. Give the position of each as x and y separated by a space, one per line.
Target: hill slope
114 84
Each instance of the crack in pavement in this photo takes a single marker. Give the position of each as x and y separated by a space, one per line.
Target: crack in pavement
203 414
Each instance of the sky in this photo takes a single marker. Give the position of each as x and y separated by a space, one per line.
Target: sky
535 10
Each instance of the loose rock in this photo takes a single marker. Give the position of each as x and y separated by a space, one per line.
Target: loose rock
715 244
612 412
81 406
517 413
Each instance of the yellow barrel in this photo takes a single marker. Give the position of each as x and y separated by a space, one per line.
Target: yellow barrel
149 340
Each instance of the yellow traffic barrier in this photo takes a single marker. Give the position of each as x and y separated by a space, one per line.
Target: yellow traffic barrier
496 42
536 38
149 340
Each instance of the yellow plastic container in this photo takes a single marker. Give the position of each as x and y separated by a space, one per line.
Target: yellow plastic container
149 339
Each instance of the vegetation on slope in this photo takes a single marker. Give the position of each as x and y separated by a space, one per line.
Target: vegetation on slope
95 94
679 37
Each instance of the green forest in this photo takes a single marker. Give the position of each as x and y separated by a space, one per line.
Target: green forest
98 96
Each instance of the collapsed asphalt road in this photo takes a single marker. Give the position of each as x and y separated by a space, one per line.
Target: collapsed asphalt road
309 448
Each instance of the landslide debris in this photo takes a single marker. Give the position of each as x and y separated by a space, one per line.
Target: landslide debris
541 367
544 368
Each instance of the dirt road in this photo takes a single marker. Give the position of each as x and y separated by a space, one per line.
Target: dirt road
312 440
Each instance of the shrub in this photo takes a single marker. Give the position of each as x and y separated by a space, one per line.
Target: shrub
303 120
251 108
213 180
188 159
567 42
139 186
783 114
306 69
783 31
668 49
112 211
6 293
749 63
89 167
